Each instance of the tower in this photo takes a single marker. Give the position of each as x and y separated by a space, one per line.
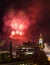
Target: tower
11 49
40 41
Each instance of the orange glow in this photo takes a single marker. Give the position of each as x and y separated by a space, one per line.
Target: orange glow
49 59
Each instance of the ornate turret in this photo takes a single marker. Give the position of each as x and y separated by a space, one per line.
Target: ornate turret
40 41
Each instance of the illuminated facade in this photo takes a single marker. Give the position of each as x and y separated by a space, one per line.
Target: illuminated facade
26 49
40 41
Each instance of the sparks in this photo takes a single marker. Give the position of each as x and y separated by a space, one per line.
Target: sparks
17 23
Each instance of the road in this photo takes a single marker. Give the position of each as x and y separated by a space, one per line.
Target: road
17 63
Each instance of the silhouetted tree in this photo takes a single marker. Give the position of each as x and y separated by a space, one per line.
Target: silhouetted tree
39 57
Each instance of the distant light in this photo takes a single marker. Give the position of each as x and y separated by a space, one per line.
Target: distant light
28 53
23 48
20 33
49 59
48 55
40 41
17 32
35 64
26 49
13 33
23 64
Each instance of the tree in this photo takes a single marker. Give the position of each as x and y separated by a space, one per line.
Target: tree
39 57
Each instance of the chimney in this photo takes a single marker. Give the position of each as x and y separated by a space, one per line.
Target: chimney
11 49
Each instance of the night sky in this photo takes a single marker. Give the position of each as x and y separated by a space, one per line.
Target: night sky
38 12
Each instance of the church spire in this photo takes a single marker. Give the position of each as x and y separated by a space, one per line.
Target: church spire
40 41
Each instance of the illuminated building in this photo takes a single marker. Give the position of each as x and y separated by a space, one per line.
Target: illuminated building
47 50
40 41
2 42
27 48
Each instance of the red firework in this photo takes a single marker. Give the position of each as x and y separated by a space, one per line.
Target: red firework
17 23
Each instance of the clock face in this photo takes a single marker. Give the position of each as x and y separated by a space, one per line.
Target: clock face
40 41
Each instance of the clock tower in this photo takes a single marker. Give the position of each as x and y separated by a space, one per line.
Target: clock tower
40 41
